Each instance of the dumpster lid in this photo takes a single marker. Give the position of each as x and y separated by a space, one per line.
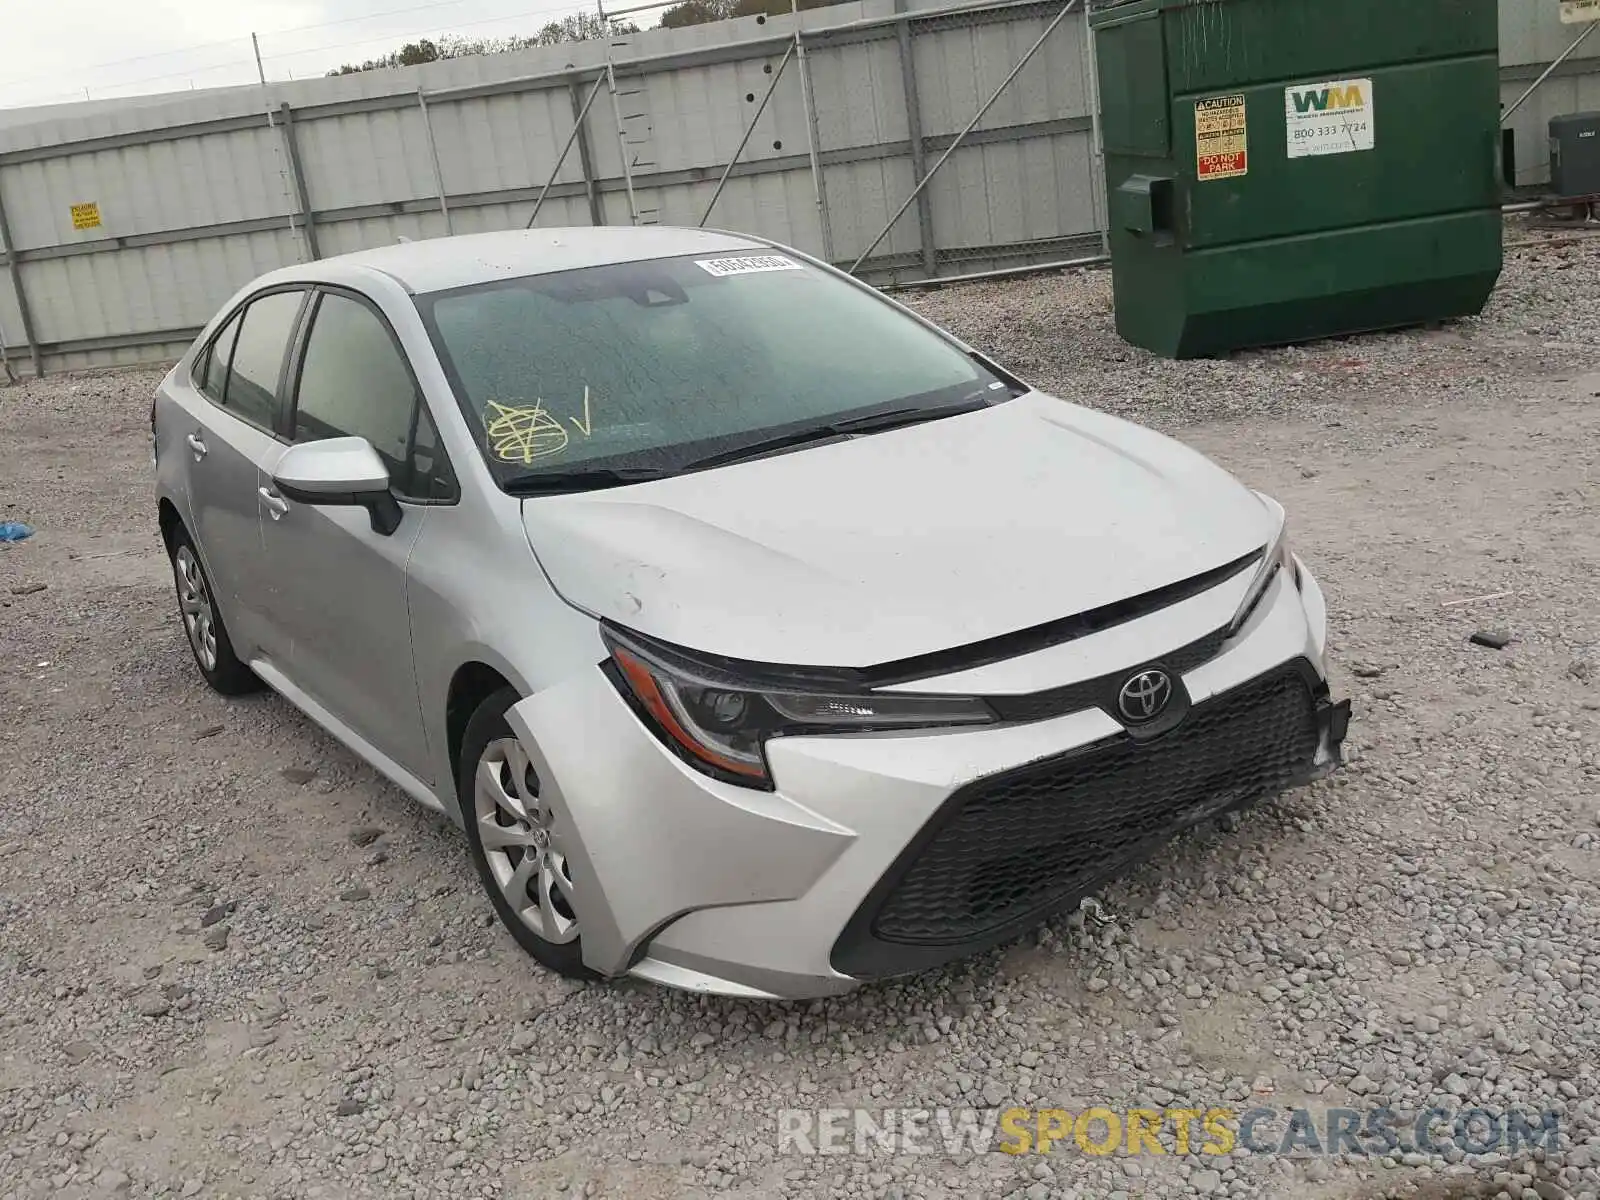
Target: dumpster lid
1580 120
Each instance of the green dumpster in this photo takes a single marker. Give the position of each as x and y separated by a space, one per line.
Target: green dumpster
1281 170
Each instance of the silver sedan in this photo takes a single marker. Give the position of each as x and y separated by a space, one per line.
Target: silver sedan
762 638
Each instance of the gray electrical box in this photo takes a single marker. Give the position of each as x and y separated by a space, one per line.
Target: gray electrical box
1575 155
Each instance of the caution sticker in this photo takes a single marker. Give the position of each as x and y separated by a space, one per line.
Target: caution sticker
86 216
1221 138
746 264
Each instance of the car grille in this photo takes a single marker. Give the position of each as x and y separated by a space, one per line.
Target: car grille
1101 692
1015 845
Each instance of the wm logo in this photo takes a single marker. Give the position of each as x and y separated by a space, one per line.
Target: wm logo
1326 99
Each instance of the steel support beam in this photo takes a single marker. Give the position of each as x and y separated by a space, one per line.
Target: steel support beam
433 154
124 341
1549 71
586 154
976 117
749 129
577 131
819 185
297 173
14 268
919 156
1097 145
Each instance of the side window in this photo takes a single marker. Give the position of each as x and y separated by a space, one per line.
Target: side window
354 382
214 367
263 339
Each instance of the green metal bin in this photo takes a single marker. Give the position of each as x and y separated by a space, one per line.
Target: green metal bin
1281 170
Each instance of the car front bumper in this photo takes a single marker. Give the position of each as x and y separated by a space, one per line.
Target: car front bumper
881 854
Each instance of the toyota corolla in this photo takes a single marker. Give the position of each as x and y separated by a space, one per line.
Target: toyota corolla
763 638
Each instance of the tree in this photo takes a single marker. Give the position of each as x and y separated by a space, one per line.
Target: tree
411 54
696 12
579 27
701 12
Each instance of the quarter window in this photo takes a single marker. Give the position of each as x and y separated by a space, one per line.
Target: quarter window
214 374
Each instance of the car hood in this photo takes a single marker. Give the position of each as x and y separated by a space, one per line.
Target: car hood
901 543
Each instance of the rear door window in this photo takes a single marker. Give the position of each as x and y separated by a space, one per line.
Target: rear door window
252 391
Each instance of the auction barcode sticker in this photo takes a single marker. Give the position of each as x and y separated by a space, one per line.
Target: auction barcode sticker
746 264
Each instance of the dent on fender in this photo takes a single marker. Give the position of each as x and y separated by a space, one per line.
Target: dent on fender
640 805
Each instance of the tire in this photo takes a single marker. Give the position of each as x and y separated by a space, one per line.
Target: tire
522 874
202 623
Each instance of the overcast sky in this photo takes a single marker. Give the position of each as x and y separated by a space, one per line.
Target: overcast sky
54 49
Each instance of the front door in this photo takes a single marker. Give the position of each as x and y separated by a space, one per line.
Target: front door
336 586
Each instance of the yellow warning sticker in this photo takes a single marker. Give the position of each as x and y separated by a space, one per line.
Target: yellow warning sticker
1221 138
86 216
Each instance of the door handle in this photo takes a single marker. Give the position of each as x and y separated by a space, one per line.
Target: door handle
197 446
275 503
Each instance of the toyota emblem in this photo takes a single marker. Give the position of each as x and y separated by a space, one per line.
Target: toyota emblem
1145 696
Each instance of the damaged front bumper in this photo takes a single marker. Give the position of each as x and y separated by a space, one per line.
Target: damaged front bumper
849 870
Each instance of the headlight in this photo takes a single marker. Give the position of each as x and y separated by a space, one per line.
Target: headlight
1277 558
720 723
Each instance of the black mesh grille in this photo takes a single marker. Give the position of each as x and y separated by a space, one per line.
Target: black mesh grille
1015 844
1075 697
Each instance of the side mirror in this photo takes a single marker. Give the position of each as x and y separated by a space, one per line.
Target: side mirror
339 471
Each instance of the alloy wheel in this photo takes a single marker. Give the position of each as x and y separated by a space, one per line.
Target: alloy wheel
521 843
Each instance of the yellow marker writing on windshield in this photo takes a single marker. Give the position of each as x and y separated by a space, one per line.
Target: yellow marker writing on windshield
588 422
522 434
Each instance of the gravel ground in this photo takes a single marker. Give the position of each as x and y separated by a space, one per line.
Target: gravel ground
236 963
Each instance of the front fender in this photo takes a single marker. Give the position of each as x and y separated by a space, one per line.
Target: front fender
647 836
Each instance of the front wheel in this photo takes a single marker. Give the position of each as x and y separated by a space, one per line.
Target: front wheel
517 843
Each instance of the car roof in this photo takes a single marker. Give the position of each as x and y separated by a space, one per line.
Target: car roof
438 264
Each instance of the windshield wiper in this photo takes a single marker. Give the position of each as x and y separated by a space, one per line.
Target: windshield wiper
542 483
894 418
897 418
755 449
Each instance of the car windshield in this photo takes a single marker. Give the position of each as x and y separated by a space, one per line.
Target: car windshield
616 373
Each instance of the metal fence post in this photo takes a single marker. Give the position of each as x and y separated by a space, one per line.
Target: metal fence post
1097 149
585 154
622 137
5 359
960 137
298 176
14 268
751 128
272 124
818 185
919 154
1549 71
433 153
577 128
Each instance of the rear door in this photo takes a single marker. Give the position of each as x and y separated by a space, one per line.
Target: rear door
229 430
337 587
